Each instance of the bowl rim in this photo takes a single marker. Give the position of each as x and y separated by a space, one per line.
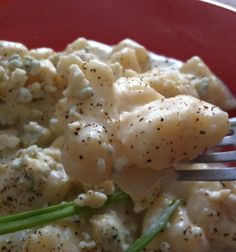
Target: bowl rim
222 5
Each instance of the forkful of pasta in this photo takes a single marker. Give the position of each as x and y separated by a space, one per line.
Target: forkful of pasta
149 138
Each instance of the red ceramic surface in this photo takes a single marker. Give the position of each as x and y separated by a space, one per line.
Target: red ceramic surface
176 28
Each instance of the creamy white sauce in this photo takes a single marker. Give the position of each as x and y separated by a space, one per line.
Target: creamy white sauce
74 123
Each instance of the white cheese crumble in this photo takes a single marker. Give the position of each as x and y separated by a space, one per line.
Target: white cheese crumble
8 141
36 90
24 95
35 134
91 199
3 77
19 77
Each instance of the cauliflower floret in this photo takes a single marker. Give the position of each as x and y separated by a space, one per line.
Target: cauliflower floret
31 179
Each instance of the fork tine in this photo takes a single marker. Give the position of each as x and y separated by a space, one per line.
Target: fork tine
216 157
223 174
230 139
227 141
232 121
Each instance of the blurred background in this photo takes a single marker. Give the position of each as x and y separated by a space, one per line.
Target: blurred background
175 28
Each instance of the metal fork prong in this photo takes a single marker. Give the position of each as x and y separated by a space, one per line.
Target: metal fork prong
216 157
227 141
223 174
230 139
232 121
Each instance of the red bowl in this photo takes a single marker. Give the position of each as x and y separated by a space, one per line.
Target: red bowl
178 28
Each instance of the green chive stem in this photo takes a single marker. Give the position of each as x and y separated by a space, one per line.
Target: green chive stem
156 227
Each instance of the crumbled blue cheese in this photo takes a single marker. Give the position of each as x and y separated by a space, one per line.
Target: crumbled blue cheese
77 45
53 152
8 48
106 139
19 77
65 64
15 62
35 134
50 88
17 163
35 157
6 118
48 74
77 83
201 85
36 90
31 65
54 59
3 77
24 95
41 53
8 141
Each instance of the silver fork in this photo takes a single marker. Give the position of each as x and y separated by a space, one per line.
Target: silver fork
219 174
